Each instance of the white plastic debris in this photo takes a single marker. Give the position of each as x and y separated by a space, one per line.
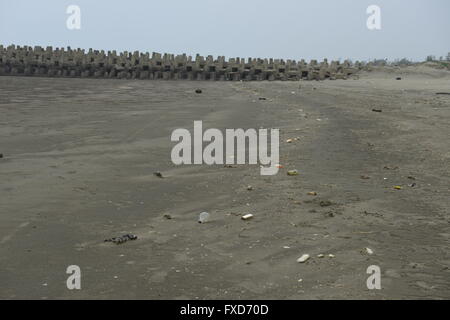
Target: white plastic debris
369 251
331 255
303 258
320 255
203 217
247 217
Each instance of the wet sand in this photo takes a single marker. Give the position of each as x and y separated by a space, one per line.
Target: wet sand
79 157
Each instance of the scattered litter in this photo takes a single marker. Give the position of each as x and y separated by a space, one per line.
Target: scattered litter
398 78
326 203
203 217
321 256
247 217
390 168
290 140
167 216
368 251
122 239
198 91
279 166
312 193
262 98
375 214
300 280
411 178
397 187
292 173
249 188
443 93
229 166
377 110
286 247
331 255
303 258
365 177
412 185
158 174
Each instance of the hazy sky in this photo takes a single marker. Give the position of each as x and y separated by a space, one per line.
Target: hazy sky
246 28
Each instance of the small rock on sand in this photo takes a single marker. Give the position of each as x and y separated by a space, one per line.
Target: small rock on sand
303 258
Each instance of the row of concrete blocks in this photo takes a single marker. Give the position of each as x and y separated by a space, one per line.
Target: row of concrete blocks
94 64
247 75
71 57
